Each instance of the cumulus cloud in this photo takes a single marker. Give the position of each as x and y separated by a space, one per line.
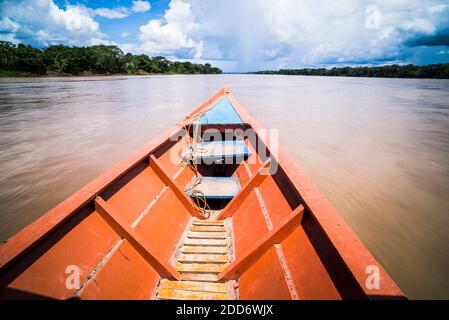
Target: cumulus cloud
173 34
431 29
250 34
42 22
141 6
289 33
116 13
122 12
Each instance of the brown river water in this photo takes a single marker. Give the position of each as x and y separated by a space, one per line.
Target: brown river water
377 148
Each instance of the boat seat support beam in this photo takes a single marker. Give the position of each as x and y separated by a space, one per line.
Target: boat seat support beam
115 220
254 182
168 181
274 236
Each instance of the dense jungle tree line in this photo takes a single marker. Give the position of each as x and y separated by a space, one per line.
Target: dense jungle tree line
436 71
23 59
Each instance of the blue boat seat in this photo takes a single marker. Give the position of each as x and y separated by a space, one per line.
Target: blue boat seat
219 152
214 188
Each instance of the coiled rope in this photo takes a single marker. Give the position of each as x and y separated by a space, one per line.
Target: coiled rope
188 160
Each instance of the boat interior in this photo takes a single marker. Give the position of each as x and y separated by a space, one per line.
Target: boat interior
196 217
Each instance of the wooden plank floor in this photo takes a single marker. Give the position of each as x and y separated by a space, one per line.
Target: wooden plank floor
204 254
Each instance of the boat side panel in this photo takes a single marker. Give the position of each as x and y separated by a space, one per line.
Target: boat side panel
342 277
125 276
242 174
274 200
132 193
164 224
253 162
183 178
309 275
248 224
264 279
82 247
171 158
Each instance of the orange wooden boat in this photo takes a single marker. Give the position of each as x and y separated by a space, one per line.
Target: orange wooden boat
191 217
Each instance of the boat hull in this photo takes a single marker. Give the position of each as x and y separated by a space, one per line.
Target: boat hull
135 233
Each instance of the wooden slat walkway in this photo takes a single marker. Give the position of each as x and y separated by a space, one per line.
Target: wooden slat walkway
204 254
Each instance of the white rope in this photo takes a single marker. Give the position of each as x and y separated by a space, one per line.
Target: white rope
188 160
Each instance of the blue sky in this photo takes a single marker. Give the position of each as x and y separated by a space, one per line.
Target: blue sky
242 35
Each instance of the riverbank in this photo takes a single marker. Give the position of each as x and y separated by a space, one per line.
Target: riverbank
56 74
59 60
433 71
16 74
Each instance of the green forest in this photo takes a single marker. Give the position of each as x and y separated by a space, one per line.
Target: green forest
24 60
435 71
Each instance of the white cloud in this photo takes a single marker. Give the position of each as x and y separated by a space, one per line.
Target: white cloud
419 26
42 22
249 34
8 29
8 26
437 8
172 34
122 12
141 6
116 13
289 33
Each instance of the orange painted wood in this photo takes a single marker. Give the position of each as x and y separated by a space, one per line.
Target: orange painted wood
247 231
274 200
264 279
255 181
262 244
171 159
83 246
164 224
33 234
254 162
243 174
125 231
126 275
180 194
208 103
184 176
135 193
307 270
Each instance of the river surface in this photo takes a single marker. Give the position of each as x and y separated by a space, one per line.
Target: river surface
377 148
